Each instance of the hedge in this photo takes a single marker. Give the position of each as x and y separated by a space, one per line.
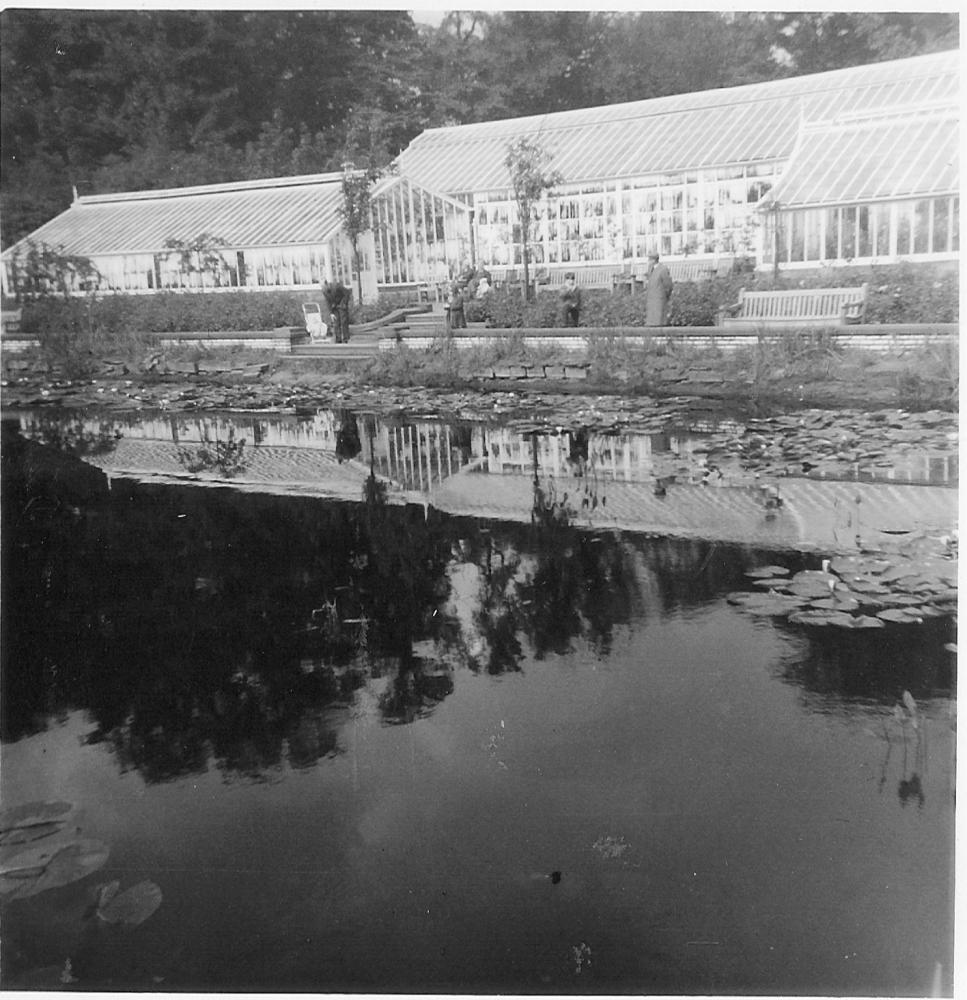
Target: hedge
898 293
174 312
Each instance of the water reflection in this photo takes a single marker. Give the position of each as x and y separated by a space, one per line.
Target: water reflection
204 627
347 668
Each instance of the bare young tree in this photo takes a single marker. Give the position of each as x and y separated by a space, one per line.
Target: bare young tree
355 211
531 177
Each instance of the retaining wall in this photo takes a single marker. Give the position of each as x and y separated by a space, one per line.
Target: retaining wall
876 337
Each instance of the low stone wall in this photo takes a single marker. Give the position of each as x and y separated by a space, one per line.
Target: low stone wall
279 339
875 337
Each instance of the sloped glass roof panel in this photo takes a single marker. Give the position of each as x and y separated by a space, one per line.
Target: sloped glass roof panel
914 156
755 122
242 216
277 212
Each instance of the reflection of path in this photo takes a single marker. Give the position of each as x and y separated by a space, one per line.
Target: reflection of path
821 515
815 515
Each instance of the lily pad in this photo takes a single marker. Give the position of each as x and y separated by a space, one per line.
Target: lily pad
131 907
811 588
764 572
771 583
837 603
32 821
822 618
900 616
40 869
864 585
867 621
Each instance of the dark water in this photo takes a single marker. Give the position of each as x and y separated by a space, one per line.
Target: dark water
367 747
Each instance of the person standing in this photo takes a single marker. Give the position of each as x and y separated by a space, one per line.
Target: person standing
657 292
458 318
337 298
571 300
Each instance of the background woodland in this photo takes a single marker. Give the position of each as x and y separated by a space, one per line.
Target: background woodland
130 100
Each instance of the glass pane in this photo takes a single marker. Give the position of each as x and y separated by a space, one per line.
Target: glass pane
796 223
941 226
813 251
848 245
904 228
864 246
832 234
921 227
955 226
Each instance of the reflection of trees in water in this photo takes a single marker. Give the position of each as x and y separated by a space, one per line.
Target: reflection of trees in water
204 627
69 435
874 666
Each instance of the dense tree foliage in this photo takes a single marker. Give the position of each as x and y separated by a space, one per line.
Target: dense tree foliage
127 99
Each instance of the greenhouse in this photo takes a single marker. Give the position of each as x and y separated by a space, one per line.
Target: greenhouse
283 233
858 165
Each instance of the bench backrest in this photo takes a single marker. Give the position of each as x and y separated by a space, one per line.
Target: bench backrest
10 320
799 303
587 277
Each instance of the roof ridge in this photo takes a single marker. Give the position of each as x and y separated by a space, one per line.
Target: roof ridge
553 120
227 187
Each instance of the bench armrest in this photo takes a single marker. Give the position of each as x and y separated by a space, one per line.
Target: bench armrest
853 312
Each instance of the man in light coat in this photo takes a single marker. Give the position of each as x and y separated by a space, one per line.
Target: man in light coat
657 293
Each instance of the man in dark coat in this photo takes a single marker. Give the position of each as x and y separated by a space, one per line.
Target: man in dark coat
455 307
571 300
337 298
657 293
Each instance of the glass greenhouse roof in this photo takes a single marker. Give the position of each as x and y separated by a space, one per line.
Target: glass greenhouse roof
280 212
757 122
914 156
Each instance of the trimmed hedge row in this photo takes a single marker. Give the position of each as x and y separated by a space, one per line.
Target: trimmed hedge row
900 293
173 312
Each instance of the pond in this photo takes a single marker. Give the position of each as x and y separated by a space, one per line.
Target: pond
333 728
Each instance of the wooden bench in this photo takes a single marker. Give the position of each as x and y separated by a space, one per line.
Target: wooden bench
10 320
584 277
797 307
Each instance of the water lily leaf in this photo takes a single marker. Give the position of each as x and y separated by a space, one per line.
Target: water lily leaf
40 869
105 892
836 603
810 588
771 583
901 600
33 814
900 616
822 618
763 572
133 906
25 834
28 863
773 605
866 621
863 585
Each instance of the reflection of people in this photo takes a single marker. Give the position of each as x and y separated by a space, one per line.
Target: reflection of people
483 286
571 300
657 293
458 319
337 298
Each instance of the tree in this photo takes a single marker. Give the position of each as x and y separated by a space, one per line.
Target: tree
356 211
528 164
815 41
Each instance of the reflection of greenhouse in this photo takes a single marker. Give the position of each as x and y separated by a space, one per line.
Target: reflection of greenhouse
857 165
